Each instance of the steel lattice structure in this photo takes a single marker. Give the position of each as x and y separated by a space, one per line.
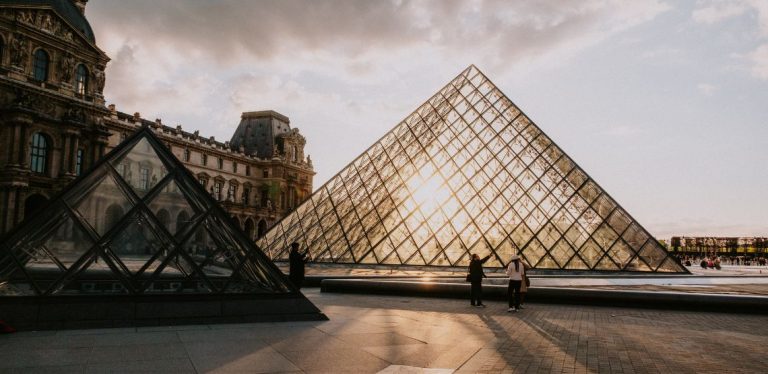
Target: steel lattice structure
468 172
138 223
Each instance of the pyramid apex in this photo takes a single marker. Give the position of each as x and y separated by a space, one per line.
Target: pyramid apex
473 67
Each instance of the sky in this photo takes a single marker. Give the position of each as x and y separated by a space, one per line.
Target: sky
663 103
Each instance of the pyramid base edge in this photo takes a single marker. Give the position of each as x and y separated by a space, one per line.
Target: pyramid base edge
84 312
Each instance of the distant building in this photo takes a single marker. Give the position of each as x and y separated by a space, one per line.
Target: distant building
54 124
723 245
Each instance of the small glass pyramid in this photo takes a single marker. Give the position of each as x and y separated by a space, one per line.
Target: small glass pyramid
468 172
137 223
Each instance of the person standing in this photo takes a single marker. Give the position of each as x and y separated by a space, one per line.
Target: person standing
476 276
524 285
296 261
515 271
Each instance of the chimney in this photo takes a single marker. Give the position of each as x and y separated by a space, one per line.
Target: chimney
80 4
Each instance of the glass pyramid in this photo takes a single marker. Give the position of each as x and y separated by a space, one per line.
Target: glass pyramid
468 172
137 223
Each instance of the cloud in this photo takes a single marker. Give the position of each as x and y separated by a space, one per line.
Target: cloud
706 88
759 59
718 11
227 30
202 62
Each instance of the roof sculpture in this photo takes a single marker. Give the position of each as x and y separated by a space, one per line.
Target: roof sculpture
468 172
64 8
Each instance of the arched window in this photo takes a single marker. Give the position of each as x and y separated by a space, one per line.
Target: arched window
249 227
41 65
81 79
39 155
2 49
262 229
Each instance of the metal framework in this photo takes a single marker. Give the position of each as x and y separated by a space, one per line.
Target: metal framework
468 172
137 223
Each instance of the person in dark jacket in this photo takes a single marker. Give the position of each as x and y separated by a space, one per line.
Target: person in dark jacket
476 276
297 261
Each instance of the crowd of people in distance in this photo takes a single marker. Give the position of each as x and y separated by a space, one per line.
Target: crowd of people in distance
714 261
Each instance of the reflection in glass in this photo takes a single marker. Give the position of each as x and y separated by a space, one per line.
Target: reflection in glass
136 224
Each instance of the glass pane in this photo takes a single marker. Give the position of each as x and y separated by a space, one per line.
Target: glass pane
215 263
141 168
619 220
171 208
653 254
57 245
137 243
533 252
562 252
635 236
104 206
96 276
590 253
177 277
670 266
606 264
621 253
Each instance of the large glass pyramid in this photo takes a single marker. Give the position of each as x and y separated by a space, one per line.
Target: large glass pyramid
468 172
137 224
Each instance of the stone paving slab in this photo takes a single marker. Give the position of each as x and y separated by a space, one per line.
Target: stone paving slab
391 334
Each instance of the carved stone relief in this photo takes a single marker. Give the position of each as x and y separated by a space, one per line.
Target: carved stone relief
34 102
66 66
43 20
98 79
19 51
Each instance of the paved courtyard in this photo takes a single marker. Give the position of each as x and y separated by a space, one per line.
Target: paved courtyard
370 334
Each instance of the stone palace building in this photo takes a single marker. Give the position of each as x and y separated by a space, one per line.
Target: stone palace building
54 124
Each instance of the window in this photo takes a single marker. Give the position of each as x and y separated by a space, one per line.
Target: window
265 173
231 192
187 154
217 190
221 163
143 178
204 159
234 167
248 170
246 196
79 162
264 196
81 79
123 136
203 181
39 154
40 68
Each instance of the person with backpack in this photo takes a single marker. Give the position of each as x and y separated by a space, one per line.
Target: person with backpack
515 271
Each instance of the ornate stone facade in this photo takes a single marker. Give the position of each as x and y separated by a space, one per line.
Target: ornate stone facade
54 124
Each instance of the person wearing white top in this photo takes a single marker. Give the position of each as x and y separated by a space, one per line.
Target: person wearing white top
515 271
